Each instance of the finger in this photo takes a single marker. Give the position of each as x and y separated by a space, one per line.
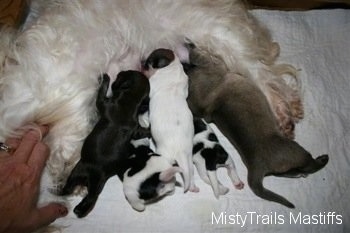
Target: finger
26 146
41 129
37 159
13 143
45 215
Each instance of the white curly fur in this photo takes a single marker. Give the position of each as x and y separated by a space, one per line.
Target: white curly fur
66 45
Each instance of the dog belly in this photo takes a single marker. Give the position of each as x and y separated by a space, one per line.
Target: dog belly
59 61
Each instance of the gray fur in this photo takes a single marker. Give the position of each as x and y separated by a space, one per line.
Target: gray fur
241 112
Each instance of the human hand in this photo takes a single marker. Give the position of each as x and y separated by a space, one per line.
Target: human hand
20 173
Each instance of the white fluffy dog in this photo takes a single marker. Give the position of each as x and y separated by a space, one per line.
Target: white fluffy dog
55 61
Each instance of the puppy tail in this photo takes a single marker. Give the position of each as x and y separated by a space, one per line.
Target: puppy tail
255 182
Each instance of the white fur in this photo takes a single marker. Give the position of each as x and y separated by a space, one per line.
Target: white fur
68 44
171 119
210 177
132 184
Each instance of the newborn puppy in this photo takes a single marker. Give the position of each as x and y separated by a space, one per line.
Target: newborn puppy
170 118
208 155
148 176
241 112
107 147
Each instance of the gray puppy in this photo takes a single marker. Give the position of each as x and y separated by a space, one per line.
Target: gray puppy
241 112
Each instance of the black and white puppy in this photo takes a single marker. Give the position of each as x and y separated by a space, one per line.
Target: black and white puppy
208 155
148 176
170 118
242 113
106 149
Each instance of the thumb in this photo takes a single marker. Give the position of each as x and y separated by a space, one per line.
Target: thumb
47 214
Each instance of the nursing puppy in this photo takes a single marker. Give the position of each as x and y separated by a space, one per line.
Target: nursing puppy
107 147
241 112
170 118
54 82
148 176
208 155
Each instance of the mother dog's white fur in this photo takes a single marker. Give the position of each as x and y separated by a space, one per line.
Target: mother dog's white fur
59 56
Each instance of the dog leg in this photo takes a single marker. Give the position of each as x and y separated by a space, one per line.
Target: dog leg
95 184
65 143
316 164
193 188
312 166
203 174
186 163
255 181
232 173
218 188
78 177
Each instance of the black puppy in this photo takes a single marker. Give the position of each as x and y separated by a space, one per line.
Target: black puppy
241 112
107 147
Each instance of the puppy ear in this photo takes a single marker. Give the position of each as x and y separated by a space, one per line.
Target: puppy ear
159 58
169 173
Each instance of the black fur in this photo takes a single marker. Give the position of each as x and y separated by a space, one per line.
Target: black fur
214 156
139 160
106 150
158 59
148 188
197 147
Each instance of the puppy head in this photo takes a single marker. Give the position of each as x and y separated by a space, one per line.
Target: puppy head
131 84
158 59
151 184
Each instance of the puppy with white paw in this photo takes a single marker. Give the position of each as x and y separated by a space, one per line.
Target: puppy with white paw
170 118
148 176
208 155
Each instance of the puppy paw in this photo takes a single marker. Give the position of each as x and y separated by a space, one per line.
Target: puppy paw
239 185
223 190
194 189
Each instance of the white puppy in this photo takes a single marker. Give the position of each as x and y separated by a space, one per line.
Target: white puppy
57 57
170 118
